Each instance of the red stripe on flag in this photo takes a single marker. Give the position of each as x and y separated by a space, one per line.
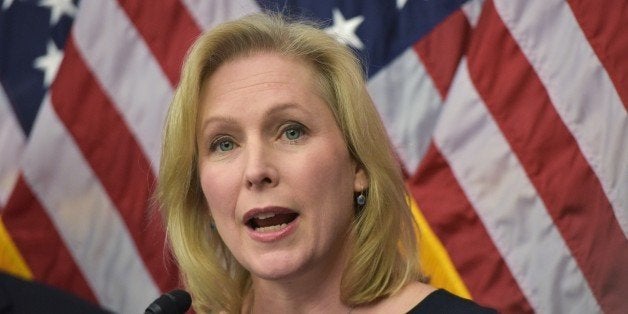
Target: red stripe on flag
40 245
441 50
442 200
167 28
457 225
551 158
115 156
605 23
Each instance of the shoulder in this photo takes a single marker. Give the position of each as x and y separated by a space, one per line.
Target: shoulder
442 301
417 298
400 302
22 296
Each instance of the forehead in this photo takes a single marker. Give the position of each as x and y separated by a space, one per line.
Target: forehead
259 72
254 85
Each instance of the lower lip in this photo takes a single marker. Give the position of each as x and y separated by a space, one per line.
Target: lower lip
272 236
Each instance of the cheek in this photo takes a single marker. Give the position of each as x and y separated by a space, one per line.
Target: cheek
219 190
330 179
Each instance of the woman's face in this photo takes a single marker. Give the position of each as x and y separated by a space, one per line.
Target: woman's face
274 167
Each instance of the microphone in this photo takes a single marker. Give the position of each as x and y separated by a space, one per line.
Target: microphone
173 302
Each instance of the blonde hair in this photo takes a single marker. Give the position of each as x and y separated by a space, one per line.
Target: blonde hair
384 254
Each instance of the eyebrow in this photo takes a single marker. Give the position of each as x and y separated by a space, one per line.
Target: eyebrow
283 107
231 120
217 119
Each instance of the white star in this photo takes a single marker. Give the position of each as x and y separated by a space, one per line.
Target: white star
49 63
401 4
344 30
6 4
58 8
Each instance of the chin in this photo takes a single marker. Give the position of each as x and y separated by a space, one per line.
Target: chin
273 274
275 268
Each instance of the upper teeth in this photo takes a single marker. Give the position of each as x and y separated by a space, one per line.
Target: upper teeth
264 216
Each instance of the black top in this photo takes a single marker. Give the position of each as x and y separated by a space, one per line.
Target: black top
25 297
442 301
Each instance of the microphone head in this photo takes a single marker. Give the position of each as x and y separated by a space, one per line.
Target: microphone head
173 302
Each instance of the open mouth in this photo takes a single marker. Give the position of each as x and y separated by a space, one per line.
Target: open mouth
266 222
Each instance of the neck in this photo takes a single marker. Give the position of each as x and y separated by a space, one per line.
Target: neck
285 300
315 290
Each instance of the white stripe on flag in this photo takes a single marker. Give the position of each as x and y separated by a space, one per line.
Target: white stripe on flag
524 233
127 71
472 10
12 144
211 13
84 216
583 96
409 104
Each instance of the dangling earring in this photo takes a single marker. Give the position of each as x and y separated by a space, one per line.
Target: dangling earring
212 224
361 199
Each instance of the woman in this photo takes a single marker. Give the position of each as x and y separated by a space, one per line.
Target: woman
279 185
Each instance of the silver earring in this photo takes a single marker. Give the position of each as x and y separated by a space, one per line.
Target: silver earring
361 199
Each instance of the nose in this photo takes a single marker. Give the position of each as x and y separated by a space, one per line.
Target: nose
260 170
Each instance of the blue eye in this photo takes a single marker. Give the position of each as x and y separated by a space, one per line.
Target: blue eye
293 133
225 146
222 145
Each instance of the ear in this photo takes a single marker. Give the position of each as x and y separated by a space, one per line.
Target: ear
361 181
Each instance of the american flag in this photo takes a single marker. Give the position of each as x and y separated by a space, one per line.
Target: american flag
509 119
